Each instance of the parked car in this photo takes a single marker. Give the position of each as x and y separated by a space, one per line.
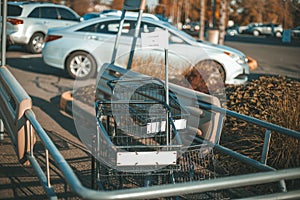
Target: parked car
247 29
83 48
192 28
108 13
266 29
28 22
90 15
233 30
295 32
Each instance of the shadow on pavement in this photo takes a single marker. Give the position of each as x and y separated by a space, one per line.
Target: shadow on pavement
36 65
19 182
51 108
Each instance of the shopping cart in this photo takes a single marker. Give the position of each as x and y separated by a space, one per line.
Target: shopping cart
141 131
139 139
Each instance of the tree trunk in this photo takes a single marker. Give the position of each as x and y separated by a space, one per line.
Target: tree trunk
202 19
222 24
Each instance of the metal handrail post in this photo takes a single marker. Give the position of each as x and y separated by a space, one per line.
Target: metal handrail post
1 130
264 156
47 168
3 38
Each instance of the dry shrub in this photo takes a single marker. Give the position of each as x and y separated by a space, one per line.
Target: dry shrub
274 99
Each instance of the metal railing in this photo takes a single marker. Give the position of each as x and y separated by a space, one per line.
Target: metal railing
19 121
152 191
162 190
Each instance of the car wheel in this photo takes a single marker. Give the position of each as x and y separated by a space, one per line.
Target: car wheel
278 34
232 33
256 33
206 76
81 65
36 43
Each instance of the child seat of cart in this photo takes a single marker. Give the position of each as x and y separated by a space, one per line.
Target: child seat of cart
210 122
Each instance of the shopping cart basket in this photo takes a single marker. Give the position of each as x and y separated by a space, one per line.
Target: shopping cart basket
133 144
137 129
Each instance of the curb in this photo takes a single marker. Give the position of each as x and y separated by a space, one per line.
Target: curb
65 102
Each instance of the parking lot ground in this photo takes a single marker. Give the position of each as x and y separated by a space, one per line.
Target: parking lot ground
19 182
16 181
263 40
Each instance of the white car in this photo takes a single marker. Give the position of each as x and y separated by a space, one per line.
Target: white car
109 13
83 48
28 22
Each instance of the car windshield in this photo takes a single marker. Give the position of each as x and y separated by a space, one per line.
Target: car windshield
13 10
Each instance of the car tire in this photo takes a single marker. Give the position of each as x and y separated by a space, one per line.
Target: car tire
36 43
81 65
207 75
256 33
278 34
232 33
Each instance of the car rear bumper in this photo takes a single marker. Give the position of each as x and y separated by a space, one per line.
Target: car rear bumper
53 58
16 38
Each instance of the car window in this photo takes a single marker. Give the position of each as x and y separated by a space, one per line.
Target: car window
49 13
66 14
113 27
13 10
91 28
108 27
35 13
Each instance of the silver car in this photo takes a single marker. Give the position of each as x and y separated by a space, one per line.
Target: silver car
28 22
83 48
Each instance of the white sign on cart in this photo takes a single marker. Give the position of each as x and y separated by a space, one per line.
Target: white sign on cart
157 39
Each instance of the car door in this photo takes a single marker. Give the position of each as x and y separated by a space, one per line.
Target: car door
99 39
268 29
67 17
49 17
57 17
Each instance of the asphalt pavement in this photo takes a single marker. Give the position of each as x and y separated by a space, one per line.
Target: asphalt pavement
274 57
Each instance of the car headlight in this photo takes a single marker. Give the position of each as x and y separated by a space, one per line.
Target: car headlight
239 59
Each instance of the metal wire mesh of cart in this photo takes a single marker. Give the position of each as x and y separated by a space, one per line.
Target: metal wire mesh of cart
193 165
137 130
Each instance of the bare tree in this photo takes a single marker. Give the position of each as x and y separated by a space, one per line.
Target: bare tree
117 4
202 19
80 6
222 23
